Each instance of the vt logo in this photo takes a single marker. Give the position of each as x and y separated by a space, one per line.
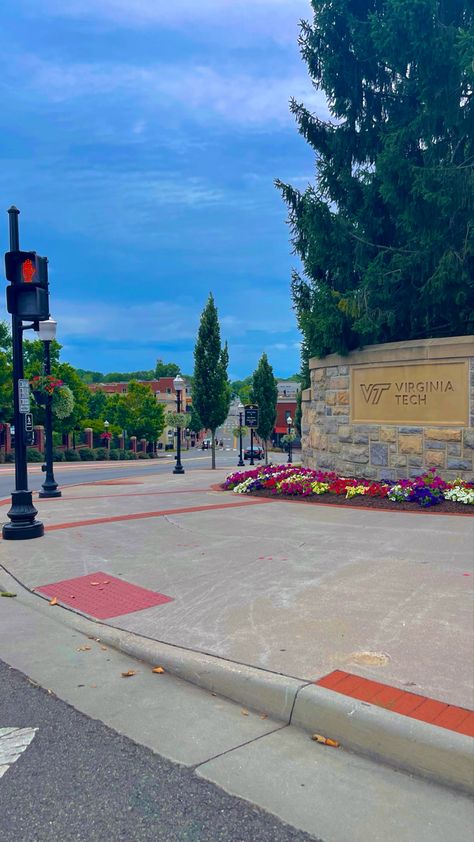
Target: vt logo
374 391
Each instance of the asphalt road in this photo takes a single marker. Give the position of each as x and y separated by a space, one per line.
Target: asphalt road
79 781
92 472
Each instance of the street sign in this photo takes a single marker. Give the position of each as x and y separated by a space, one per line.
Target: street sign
28 422
24 395
251 415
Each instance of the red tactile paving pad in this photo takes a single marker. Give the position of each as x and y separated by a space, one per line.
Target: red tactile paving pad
103 596
399 701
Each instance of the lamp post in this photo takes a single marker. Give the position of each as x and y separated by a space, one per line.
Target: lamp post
178 384
47 332
22 514
289 422
241 462
107 425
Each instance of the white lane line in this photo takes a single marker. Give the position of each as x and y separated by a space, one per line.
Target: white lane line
13 742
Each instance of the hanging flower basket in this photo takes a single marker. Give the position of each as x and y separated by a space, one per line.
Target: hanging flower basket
44 387
106 436
63 402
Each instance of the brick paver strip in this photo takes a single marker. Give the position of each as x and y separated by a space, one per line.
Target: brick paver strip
162 513
103 596
400 701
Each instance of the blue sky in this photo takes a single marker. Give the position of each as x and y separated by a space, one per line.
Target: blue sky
140 140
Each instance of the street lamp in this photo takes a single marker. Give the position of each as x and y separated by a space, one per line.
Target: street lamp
107 425
289 422
178 384
240 408
47 332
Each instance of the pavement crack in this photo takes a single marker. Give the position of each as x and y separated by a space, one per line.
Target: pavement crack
241 745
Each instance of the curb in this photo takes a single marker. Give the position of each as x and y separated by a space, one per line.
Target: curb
426 750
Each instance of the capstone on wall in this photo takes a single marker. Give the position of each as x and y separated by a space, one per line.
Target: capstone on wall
392 411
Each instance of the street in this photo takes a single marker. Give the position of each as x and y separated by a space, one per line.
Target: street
79 781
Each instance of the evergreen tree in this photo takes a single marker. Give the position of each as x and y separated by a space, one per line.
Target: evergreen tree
265 394
211 390
386 235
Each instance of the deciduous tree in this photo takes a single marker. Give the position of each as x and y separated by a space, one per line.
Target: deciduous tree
265 394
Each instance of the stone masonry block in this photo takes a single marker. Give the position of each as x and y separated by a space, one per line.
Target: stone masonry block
338 383
356 454
469 439
444 435
379 453
331 398
388 434
435 459
375 434
398 460
436 445
453 448
345 433
319 374
344 369
410 444
410 430
332 370
342 397
342 412
459 464
360 438
318 440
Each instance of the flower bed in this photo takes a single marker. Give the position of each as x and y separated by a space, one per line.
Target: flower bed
288 481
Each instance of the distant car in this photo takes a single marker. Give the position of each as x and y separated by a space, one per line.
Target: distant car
257 452
206 444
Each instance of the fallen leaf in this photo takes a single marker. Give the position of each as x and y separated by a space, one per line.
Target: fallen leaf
53 601
7 593
104 648
107 582
83 648
264 716
92 685
158 669
244 712
129 673
318 738
94 583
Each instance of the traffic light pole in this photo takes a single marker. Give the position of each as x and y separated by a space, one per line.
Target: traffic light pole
22 513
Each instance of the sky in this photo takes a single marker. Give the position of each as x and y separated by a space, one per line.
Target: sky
140 140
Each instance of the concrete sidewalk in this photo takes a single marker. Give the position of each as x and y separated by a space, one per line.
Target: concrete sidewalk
294 589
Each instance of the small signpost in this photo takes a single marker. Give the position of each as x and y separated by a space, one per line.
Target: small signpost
251 421
251 415
24 395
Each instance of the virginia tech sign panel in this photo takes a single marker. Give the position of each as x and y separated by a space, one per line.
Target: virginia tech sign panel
412 393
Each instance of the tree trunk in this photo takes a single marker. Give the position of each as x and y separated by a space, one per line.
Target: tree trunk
266 451
213 445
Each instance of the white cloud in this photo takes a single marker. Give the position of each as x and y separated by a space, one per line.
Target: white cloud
272 19
199 90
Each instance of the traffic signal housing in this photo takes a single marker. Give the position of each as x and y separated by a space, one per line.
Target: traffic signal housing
28 293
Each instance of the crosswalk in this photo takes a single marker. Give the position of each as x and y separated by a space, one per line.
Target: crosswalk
13 742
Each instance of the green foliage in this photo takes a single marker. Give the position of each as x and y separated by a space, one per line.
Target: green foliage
166 369
211 392
33 455
143 414
58 455
265 394
242 389
97 404
386 235
176 419
80 392
72 455
101 454
194 421
33 356
87 454
114 454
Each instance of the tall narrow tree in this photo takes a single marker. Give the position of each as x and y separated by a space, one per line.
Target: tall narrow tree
211 389
265 394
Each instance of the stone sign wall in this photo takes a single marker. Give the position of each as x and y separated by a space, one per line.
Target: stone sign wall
392 411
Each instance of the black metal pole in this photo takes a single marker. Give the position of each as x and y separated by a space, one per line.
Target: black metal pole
22 513
50 486
290 458
178 468
241 461
251 446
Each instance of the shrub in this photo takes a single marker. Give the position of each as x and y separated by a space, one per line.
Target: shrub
115 454
131 454
101 453
9 457
142 455
33 455
72 456
87 454
2 457
58 455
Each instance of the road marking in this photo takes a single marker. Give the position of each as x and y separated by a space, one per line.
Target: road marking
13 742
